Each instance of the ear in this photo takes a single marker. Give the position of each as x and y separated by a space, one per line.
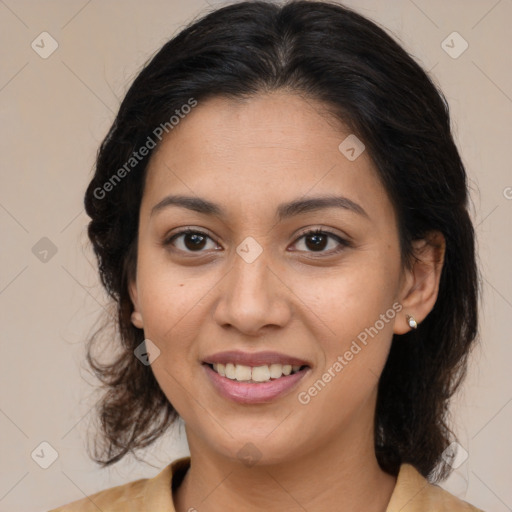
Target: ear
420 285
134 296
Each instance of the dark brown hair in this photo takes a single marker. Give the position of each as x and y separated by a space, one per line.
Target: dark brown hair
328 53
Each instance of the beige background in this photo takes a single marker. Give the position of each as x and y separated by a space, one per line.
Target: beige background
56 111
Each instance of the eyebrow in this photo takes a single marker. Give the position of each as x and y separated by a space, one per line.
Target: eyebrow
284 210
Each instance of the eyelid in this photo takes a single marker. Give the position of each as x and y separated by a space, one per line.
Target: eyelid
343 241
168 239
322 229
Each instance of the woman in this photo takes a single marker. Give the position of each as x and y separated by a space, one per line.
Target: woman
279 212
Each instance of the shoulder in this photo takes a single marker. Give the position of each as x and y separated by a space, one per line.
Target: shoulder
110 500
143 495
413 493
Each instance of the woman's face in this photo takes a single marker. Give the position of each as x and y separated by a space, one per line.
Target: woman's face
254 283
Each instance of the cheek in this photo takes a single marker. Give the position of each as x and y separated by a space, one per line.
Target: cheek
353 322
349 299
172 311
169 304
166 291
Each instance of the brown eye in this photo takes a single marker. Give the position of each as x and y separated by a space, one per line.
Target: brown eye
191 240
317 240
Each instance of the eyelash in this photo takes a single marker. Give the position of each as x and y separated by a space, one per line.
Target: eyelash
343 243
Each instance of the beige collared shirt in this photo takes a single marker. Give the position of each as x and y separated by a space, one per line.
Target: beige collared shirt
412 493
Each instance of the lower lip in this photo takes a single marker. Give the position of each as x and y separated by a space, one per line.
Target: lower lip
253 393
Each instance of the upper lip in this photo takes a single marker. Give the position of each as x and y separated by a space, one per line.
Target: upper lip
254 358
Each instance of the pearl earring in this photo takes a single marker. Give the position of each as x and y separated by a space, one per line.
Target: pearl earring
412 323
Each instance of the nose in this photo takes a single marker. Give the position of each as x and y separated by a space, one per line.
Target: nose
252 298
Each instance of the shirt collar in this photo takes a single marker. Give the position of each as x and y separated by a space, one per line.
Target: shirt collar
409 490
408 494
158 495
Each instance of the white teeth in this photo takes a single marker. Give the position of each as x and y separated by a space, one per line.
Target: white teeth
276 370
262 373
242 372
221 369
230 371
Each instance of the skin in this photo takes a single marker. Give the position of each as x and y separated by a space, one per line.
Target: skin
248 157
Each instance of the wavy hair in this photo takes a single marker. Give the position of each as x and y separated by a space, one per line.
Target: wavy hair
328 53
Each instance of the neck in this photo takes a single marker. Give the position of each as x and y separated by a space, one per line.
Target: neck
339 475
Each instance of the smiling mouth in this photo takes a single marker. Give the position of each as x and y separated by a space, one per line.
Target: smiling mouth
255 374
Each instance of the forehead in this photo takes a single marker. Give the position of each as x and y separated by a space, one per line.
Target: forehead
263 125
259 151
